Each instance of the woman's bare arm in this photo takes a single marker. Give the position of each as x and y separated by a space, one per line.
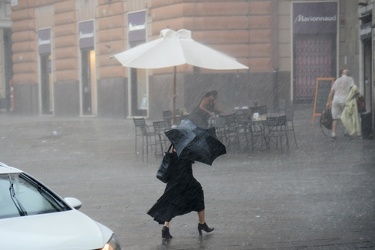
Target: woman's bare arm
203 104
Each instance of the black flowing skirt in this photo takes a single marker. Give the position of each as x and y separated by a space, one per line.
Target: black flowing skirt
183 194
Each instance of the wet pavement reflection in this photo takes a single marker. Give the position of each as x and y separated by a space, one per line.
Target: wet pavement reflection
320 195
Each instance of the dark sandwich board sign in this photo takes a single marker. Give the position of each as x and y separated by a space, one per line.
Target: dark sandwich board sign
323 87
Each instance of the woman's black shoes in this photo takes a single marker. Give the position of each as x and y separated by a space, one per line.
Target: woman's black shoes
165 233
205 228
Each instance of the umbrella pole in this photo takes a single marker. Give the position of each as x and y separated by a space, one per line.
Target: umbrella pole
174 96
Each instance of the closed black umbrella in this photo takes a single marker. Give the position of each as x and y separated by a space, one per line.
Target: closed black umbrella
195 143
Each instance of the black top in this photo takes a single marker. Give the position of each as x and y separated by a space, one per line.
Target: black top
199 117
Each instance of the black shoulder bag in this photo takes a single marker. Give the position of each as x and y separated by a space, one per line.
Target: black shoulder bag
163 174
326 120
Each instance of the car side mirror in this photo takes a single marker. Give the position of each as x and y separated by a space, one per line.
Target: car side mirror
73 202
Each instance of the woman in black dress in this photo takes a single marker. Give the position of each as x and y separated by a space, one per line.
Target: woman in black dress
183 194
206 108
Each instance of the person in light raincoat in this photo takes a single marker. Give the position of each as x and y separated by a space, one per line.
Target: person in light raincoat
337 98
350 116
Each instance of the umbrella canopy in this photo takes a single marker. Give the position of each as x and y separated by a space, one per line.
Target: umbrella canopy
175 48
195 143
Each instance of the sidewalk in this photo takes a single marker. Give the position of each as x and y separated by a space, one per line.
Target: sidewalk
319 196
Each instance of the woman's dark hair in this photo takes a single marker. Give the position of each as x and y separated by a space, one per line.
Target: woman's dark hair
211 93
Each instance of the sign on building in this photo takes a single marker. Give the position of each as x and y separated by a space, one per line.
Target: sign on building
44 41
137 26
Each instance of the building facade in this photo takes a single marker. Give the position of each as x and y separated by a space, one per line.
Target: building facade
5 55
62 53
366 45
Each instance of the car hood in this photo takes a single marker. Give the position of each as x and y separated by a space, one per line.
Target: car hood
71 230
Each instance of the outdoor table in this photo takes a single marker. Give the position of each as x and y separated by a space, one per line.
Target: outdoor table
259 125
258 128
255 128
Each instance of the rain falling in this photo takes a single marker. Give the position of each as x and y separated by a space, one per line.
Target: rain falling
93 93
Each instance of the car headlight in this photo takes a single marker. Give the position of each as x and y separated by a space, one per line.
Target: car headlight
112 244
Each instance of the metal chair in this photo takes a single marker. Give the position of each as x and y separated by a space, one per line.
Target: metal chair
144 131
167 117
243 131
257 131
230 131
159 137
289 113
257 128
218 123
276 131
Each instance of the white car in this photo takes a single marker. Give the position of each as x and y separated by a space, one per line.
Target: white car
34 217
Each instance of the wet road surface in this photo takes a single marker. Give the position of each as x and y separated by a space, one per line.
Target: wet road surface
320 195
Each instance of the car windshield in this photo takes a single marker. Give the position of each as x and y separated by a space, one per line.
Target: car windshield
21 195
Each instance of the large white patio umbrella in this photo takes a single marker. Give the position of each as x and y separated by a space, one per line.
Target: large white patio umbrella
175 48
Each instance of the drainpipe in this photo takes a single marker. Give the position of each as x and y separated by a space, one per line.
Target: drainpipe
275 52
276 92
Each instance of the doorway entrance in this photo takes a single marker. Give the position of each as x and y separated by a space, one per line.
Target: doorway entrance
88 82
314 56
138 93
46 88
7 69
315 27
367 69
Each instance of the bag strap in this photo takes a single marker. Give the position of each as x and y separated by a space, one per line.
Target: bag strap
170 147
